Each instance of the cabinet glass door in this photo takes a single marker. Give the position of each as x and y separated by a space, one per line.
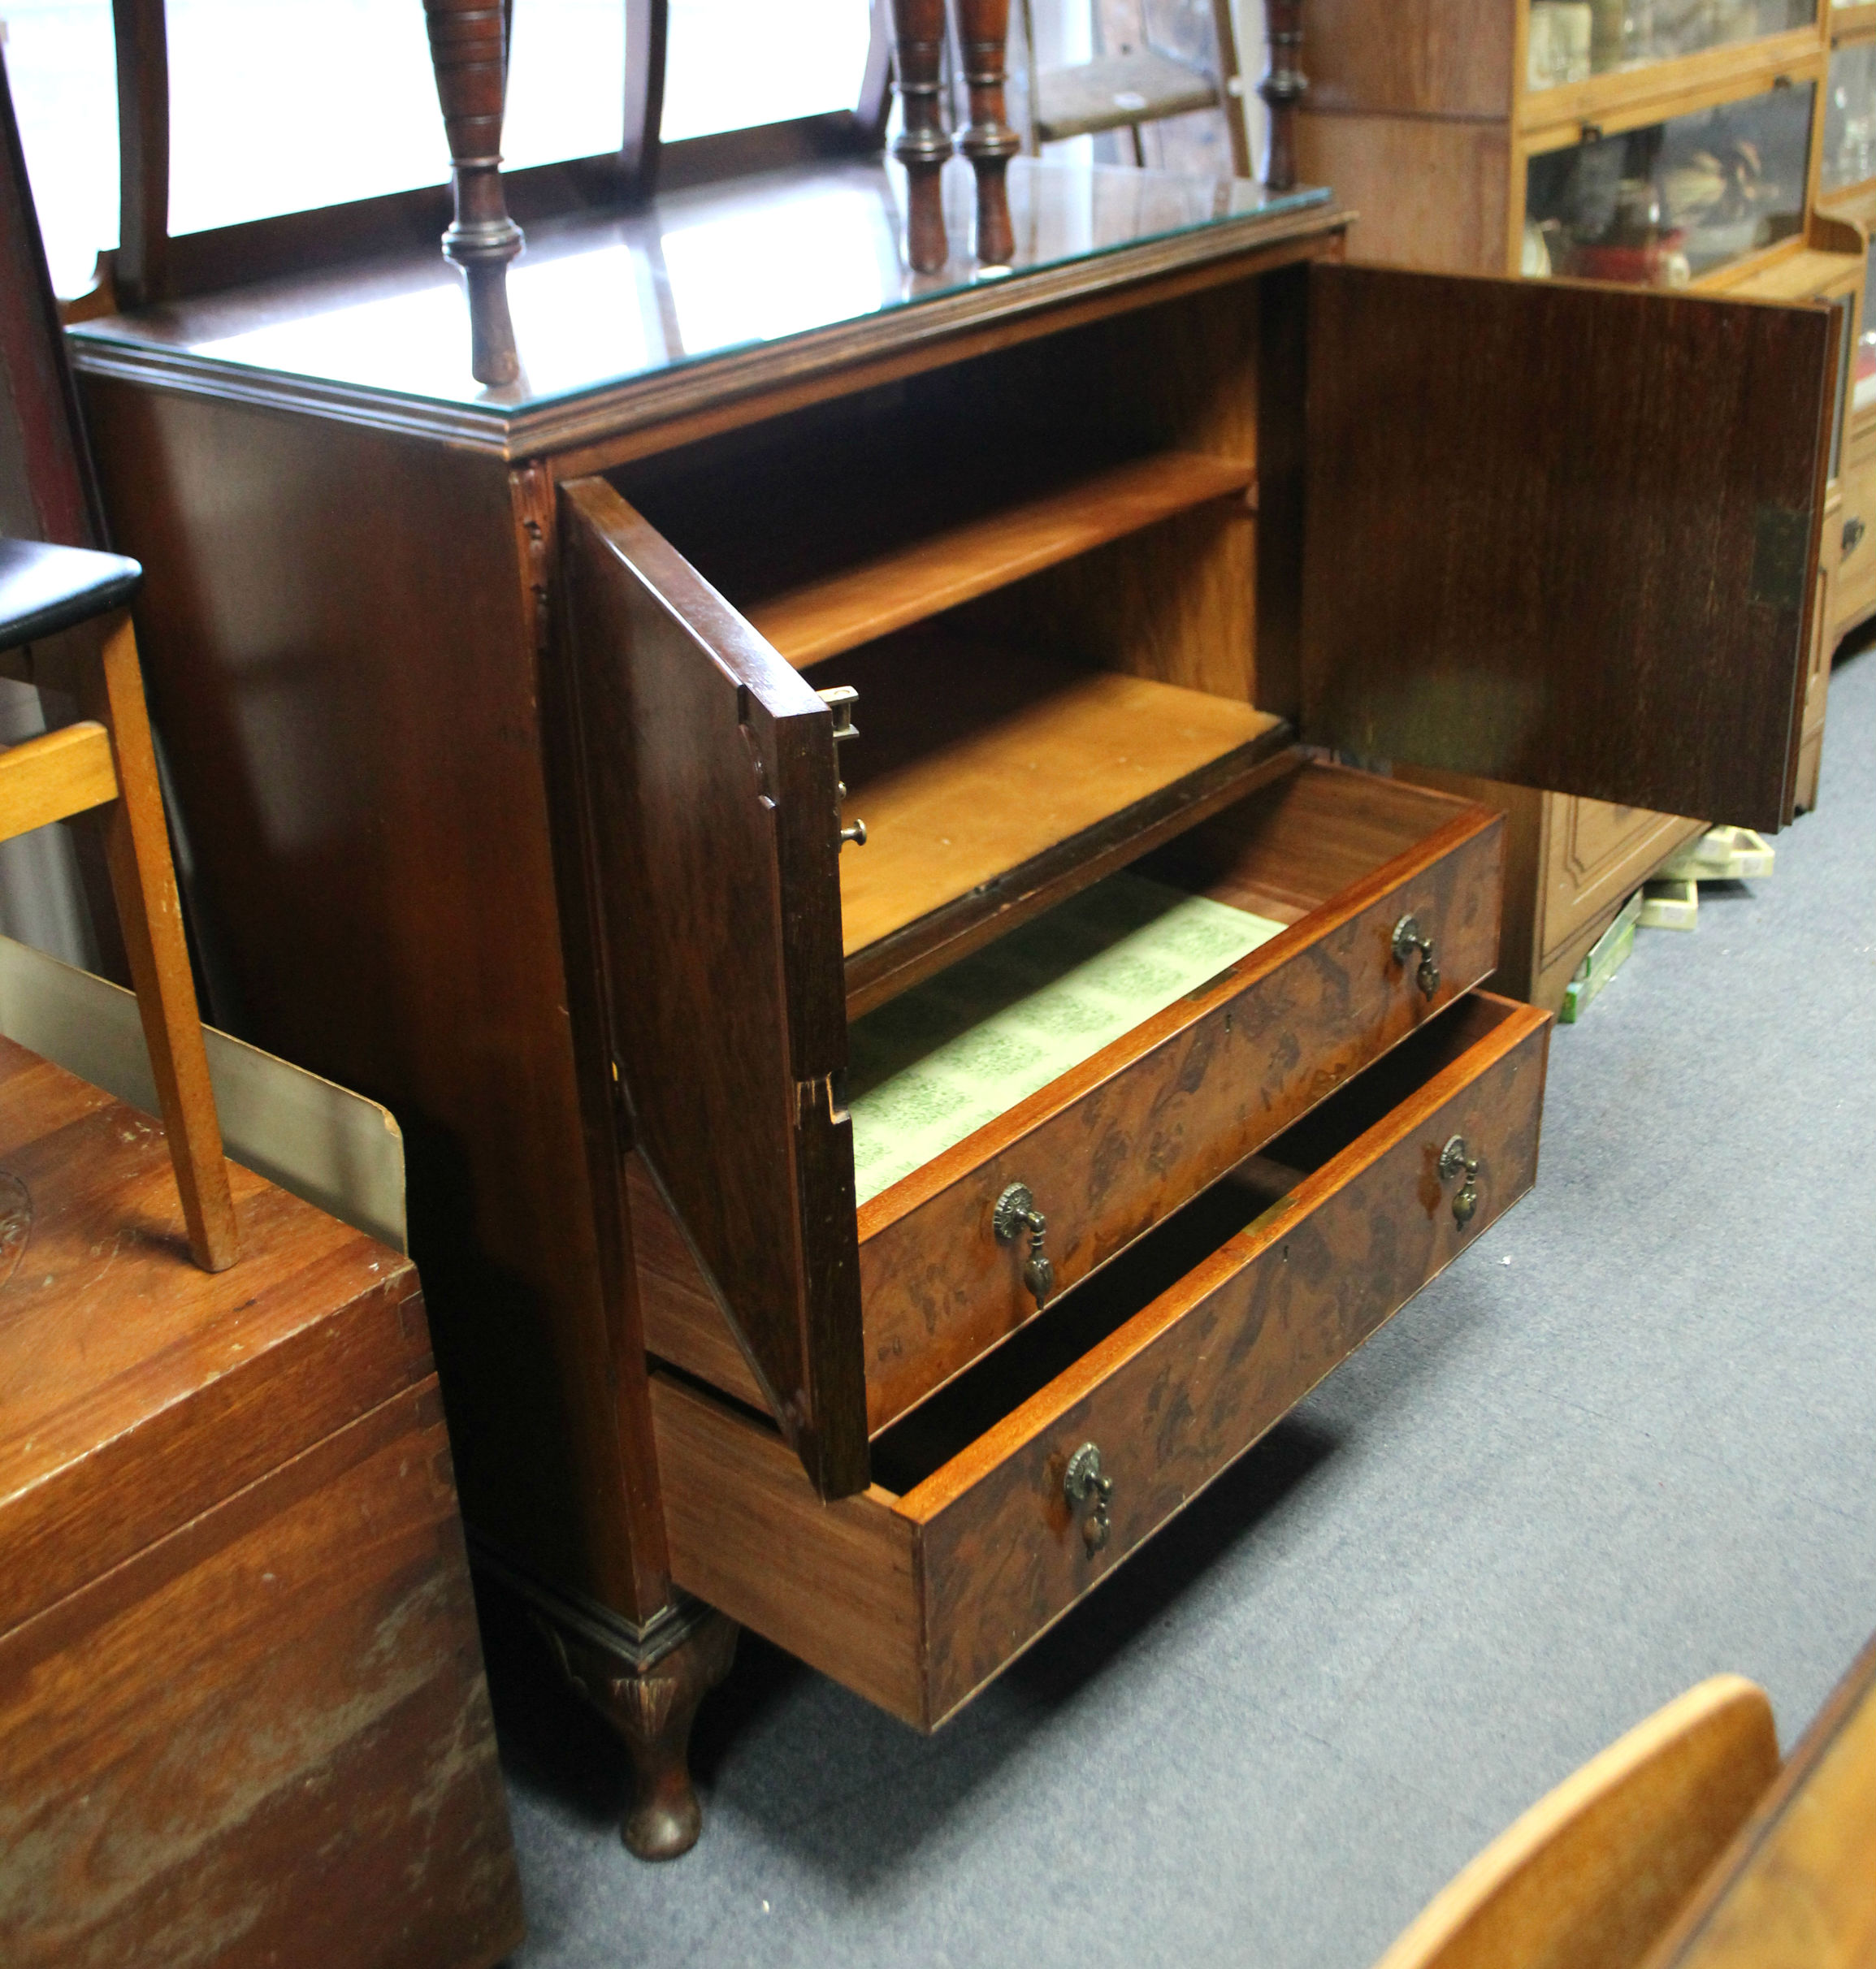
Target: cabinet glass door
1572 40
1849 155
1660 206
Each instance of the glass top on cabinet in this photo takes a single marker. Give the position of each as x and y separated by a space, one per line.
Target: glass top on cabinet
1660 206
601 300
1574 40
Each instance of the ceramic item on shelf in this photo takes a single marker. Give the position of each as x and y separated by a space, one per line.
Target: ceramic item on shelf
1606 36
1534 256
1561 34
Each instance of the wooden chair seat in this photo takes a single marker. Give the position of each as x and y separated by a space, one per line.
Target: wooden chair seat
45 589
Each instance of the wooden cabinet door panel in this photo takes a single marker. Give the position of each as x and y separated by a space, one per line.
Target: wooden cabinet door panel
1564 536
715 819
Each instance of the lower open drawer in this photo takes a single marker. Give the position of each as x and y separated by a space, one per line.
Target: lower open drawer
1171 1363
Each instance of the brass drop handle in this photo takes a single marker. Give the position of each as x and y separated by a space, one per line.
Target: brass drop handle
1457 1159
841 700
1853 532
1407 940
1083 1481
1015 1213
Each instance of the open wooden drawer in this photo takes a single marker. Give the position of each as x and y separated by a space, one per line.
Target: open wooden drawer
1338 860
980 1530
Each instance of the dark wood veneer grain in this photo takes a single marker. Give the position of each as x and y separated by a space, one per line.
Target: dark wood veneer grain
714 817
916 1599
1561 535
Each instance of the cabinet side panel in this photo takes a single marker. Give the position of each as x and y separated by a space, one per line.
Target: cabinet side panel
265 1740
332 629
1428 193
1446 58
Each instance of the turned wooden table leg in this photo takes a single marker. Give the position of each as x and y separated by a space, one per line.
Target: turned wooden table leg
923 145
652 1703
989 143
1282 89
469 54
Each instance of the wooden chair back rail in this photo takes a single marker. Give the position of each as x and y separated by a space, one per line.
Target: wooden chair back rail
108 761
1595 1872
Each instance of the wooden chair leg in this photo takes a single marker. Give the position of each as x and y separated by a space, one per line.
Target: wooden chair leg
143 880
1232 102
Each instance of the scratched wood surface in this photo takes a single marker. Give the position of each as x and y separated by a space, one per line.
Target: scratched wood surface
965 1549
1110 1148
242 1714
1797 1889
135 1389
1597 1869
264 1743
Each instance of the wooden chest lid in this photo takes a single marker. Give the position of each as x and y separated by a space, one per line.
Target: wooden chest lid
137 1391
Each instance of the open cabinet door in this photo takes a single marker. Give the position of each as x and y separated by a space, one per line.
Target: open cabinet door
1564 535
714 819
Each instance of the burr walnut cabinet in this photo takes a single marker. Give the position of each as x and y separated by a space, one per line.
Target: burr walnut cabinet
527 739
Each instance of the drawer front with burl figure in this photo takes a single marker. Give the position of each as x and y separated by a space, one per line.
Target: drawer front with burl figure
1002 1500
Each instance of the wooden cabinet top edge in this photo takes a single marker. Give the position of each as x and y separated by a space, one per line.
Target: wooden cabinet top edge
1118 280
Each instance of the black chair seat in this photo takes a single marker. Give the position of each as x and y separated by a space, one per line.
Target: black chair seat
45 589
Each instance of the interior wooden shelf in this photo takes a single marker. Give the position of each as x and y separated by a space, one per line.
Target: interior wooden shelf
991 828
840 611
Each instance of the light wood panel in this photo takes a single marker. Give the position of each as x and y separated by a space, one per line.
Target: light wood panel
1797 1889
843 611
1431 193
1596 1870
1622 97
977 810
66 771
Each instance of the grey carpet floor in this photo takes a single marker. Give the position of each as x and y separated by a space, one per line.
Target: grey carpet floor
1624 1443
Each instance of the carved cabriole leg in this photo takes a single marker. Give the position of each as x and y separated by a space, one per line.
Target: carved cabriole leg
1282 89
650 1694
469 53
989 143
922 146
